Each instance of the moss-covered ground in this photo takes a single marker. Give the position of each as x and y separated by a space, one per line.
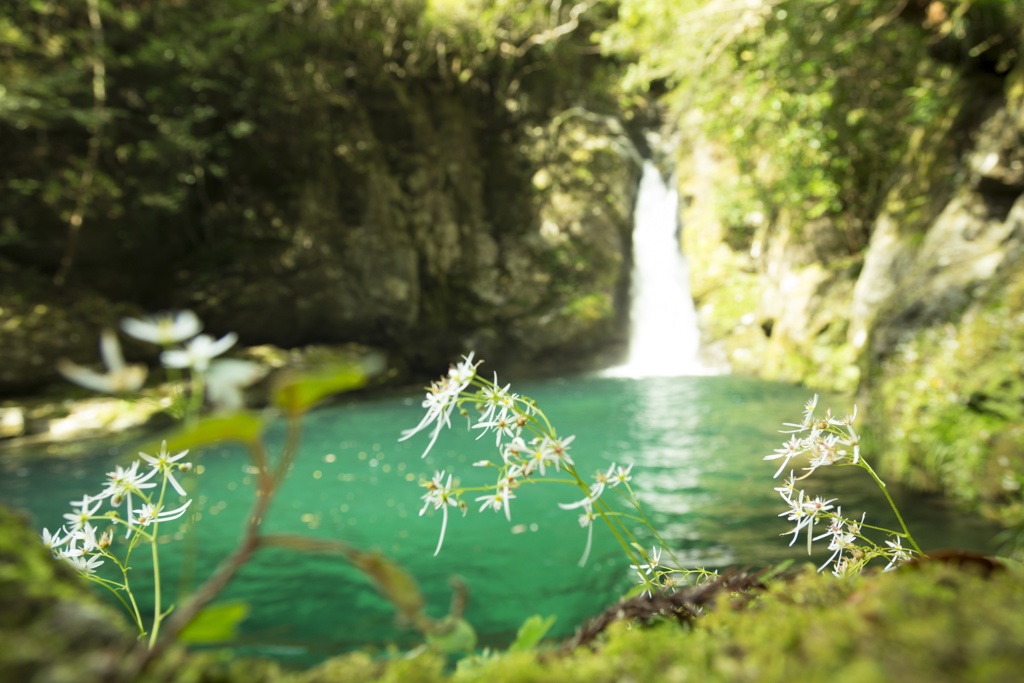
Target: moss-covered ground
933 622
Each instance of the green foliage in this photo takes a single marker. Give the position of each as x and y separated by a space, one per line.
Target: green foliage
212 116
950 398
931 624
245 428
531 633
297 392
813 98
456 637
217 623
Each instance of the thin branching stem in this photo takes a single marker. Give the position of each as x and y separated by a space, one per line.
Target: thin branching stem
892 504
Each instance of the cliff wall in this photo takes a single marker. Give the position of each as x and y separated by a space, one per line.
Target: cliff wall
924 323
315 175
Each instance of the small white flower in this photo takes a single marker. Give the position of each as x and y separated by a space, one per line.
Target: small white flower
122 483
226 379
549 451
797 513
164 328
494 398
87 508
198 353
498 501
86 565
558 450
787 452
847 421
148 514
55 540
653 562
587 520
71 550
440 401
809 409
463 372
87 535
805 514
788 488
897 552
119 377
843 537
595 492
440 496
844 567
164 462
514 450
808 418
502 425
618 474
826 451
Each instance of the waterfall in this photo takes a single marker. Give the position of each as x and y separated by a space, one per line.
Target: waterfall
663 338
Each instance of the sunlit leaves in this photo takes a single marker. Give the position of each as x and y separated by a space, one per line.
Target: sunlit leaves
458 636
217 623
295 392
814 98
531 632
236 427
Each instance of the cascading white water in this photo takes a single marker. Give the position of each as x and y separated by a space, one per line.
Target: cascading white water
663 323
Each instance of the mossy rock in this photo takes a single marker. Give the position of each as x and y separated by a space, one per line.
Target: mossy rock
933 622
951 403
51 627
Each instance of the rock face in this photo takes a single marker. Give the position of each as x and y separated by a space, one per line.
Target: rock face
39 324
515 247
429 223
926 321
946 348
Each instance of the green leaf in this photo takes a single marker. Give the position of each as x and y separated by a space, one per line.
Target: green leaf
456 635
297 392
244 427
218 623
532 632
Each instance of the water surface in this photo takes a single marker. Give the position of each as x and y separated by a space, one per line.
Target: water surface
696 442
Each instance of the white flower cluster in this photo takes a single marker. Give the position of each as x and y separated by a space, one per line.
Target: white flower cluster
825 443
829 440
527 444
76 541
224 378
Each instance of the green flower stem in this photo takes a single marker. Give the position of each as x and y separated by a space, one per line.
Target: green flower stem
157 615
175 378
266 488
132 608
195 401
116 588
881 484
647 521
137 615
604 511
291 448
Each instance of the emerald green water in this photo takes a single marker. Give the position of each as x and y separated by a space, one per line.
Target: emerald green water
697 444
